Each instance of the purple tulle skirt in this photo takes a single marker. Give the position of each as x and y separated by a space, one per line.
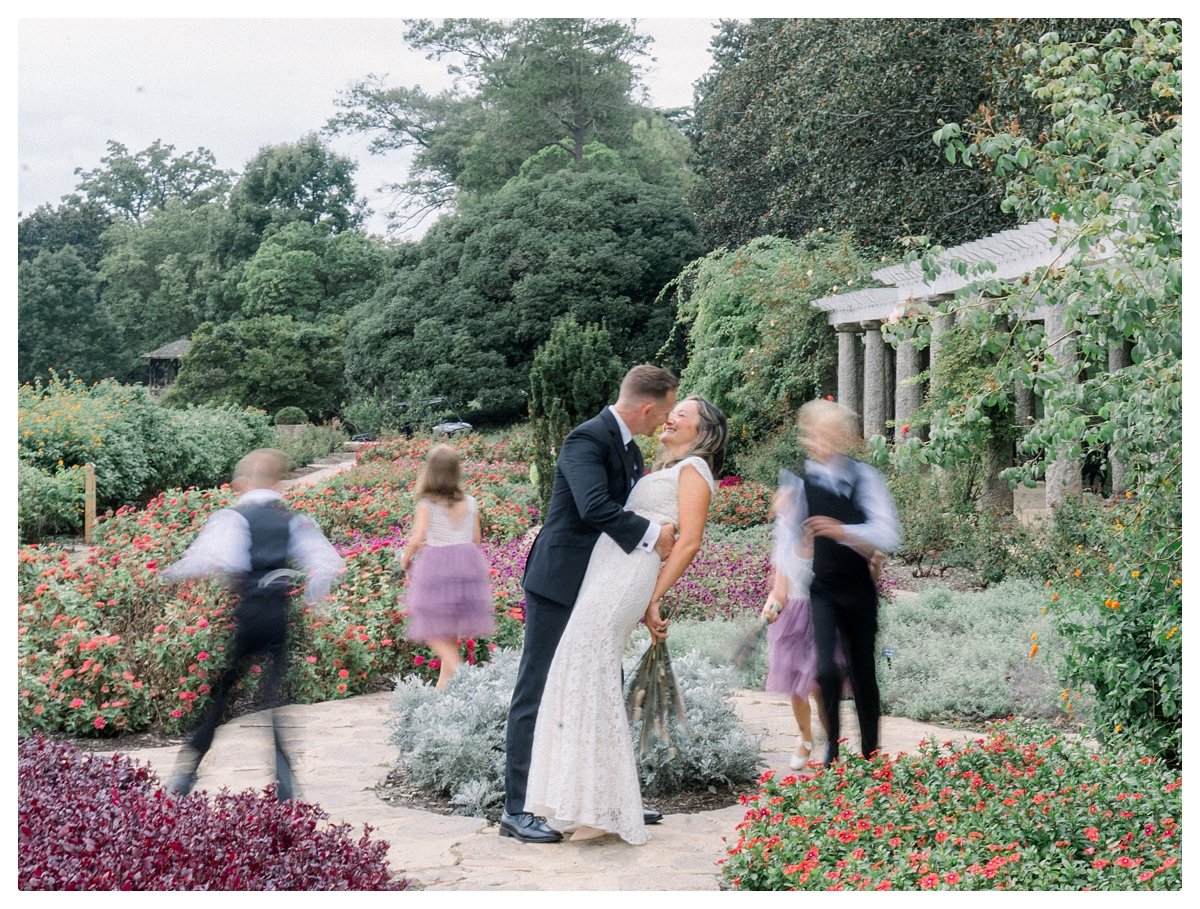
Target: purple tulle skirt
449 596
792 659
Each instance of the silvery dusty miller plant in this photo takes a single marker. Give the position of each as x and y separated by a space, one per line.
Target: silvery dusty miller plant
452 741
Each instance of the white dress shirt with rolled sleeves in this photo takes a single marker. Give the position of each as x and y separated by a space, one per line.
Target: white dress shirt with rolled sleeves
223 548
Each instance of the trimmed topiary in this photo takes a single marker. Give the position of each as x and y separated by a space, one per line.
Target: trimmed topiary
290 416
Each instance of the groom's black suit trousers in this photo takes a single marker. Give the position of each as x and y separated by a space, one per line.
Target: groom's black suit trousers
545 622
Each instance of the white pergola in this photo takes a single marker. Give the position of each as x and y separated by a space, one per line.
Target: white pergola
879 381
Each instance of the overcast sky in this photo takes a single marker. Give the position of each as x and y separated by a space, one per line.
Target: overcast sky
235 85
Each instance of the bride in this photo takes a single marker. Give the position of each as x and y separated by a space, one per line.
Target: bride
582 774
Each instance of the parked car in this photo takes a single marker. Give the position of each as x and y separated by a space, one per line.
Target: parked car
435 413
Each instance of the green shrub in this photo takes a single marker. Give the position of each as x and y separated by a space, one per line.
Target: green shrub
290 416
969 656
1023 809
1118 604
941 527
311 443
138 447
452 741
64 422
48 503
209 442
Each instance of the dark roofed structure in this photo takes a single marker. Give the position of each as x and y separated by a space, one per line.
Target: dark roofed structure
164 364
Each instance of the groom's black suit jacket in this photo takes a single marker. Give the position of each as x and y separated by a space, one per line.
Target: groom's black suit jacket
592 480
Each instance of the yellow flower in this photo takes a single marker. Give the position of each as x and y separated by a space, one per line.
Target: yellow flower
1118 727
1136 574
1171 633
1033 637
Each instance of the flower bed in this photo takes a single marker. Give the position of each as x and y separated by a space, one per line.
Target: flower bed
91 823
105 648
1020 810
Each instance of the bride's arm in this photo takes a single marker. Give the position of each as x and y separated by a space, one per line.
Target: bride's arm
694 496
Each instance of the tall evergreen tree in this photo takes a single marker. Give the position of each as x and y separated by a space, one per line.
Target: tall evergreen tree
572 377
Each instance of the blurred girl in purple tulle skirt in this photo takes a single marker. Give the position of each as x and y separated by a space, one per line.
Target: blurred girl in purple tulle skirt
449 595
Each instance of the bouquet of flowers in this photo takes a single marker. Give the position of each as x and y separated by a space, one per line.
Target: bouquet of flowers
653 697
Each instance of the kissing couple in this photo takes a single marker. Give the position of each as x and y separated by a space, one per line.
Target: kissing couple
614 540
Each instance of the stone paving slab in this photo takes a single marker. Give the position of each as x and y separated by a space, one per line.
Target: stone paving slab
341 754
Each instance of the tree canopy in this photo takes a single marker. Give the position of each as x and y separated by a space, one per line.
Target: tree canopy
807 123
483 287
62 327
131 185
523 86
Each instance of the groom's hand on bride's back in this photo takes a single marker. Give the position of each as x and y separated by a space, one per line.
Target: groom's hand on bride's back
666 541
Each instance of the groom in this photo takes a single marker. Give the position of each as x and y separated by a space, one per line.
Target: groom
597 466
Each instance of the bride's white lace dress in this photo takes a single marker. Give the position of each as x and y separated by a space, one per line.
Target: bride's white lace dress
582 771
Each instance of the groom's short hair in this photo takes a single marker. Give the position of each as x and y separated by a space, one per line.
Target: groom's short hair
647 382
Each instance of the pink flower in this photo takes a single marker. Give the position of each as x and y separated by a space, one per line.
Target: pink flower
418 660
99 723
310 659
343 673
202 655
76 703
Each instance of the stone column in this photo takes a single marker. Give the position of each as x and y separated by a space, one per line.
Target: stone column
1023 412
1064 477
908 390
995 494
874 402
848 367
1120 356
942 322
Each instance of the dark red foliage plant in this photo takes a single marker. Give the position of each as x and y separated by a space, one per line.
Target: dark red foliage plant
91 822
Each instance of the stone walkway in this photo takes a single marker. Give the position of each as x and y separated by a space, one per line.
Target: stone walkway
341 753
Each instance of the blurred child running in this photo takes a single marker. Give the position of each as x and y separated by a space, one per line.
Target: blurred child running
253 545
449 595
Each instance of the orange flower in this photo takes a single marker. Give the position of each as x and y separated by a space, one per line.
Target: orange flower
1033 651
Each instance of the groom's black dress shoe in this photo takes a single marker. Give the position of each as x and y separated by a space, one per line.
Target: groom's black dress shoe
650 816
831 754
527 828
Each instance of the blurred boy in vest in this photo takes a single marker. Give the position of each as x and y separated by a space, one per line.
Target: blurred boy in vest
253 545
850 515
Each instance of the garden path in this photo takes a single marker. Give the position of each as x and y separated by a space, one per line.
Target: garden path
341 754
